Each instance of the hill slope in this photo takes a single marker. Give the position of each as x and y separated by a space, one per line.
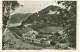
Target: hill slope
48 16
17 19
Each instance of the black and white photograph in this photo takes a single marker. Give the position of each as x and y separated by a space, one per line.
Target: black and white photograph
39 25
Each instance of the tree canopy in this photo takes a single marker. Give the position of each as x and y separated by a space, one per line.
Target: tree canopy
7 7
69 17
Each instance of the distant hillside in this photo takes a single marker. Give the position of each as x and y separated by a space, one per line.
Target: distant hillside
47 16
18 18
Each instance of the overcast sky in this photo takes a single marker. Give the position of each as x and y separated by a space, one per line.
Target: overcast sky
33 6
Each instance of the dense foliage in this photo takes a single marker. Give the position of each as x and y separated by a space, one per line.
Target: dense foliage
69 17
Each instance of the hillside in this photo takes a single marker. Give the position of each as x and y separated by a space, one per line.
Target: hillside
17 19
49 16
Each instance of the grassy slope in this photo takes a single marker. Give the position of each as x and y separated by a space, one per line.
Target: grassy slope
17 43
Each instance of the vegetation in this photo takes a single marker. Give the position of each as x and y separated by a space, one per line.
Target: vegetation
69 17
8 6
53 23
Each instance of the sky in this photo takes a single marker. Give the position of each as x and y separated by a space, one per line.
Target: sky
33 6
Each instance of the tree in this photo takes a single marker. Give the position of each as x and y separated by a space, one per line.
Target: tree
69 20
7 7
